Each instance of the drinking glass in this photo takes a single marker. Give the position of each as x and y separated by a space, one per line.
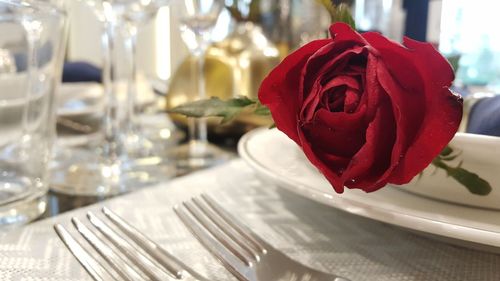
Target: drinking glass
131 15
115 165
197 20
31 54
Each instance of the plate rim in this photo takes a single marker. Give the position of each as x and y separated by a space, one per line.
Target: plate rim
483 237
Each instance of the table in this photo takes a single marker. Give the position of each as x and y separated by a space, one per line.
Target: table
317 235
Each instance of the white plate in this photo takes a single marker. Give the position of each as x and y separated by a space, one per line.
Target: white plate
476 153
76 99
85 98
278 159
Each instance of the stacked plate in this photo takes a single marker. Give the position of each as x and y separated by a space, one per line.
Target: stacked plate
447 210
81 107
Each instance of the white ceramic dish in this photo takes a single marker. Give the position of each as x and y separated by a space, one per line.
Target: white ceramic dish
85 98
278 159
478 154
75 99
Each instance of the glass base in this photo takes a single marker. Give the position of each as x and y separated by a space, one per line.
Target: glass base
196 155
22 211
83 172
138 146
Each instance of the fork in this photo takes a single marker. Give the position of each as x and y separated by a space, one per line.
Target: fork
240 250
132 257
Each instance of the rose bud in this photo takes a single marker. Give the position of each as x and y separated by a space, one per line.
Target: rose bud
365 110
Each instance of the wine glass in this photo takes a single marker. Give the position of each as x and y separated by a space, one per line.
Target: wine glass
130 16
197 20
112 167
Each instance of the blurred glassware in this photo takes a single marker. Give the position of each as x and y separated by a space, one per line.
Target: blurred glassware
125 160
32 51
286 23
246 55
385 16
247 50
309 21
7 62
197 20
249 54
275 18
131 15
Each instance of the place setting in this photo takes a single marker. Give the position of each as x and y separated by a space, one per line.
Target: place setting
248 140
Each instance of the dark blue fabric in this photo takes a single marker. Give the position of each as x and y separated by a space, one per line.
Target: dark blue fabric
44 55
416 19
80 72
484 117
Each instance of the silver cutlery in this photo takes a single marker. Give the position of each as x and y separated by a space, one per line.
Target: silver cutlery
240 250
128 253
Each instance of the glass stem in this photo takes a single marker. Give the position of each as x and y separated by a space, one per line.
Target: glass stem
33 39
198 126
133 127
112 148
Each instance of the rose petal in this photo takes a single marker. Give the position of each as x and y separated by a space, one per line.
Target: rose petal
279 90
351 101
324 168
371 167
443 110
310 105
326 62
439 126
343 35
334 162
349 81
409 110
342 120
342 141
315 71
434 63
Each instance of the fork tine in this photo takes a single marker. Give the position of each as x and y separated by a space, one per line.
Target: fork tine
167 260
230 262
227 229
240 228
232 246
141 261
116 262
96 271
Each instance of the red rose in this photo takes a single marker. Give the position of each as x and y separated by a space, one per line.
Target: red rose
366 111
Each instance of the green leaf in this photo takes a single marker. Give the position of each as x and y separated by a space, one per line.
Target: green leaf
447 154
446 151
215 107
343 14
227 109
473 182
454 60
262 110
339 13
449 158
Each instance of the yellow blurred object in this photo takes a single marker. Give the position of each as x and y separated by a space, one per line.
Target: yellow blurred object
250 55
183 87
233 67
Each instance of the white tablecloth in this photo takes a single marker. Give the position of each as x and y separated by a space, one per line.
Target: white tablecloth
317 235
